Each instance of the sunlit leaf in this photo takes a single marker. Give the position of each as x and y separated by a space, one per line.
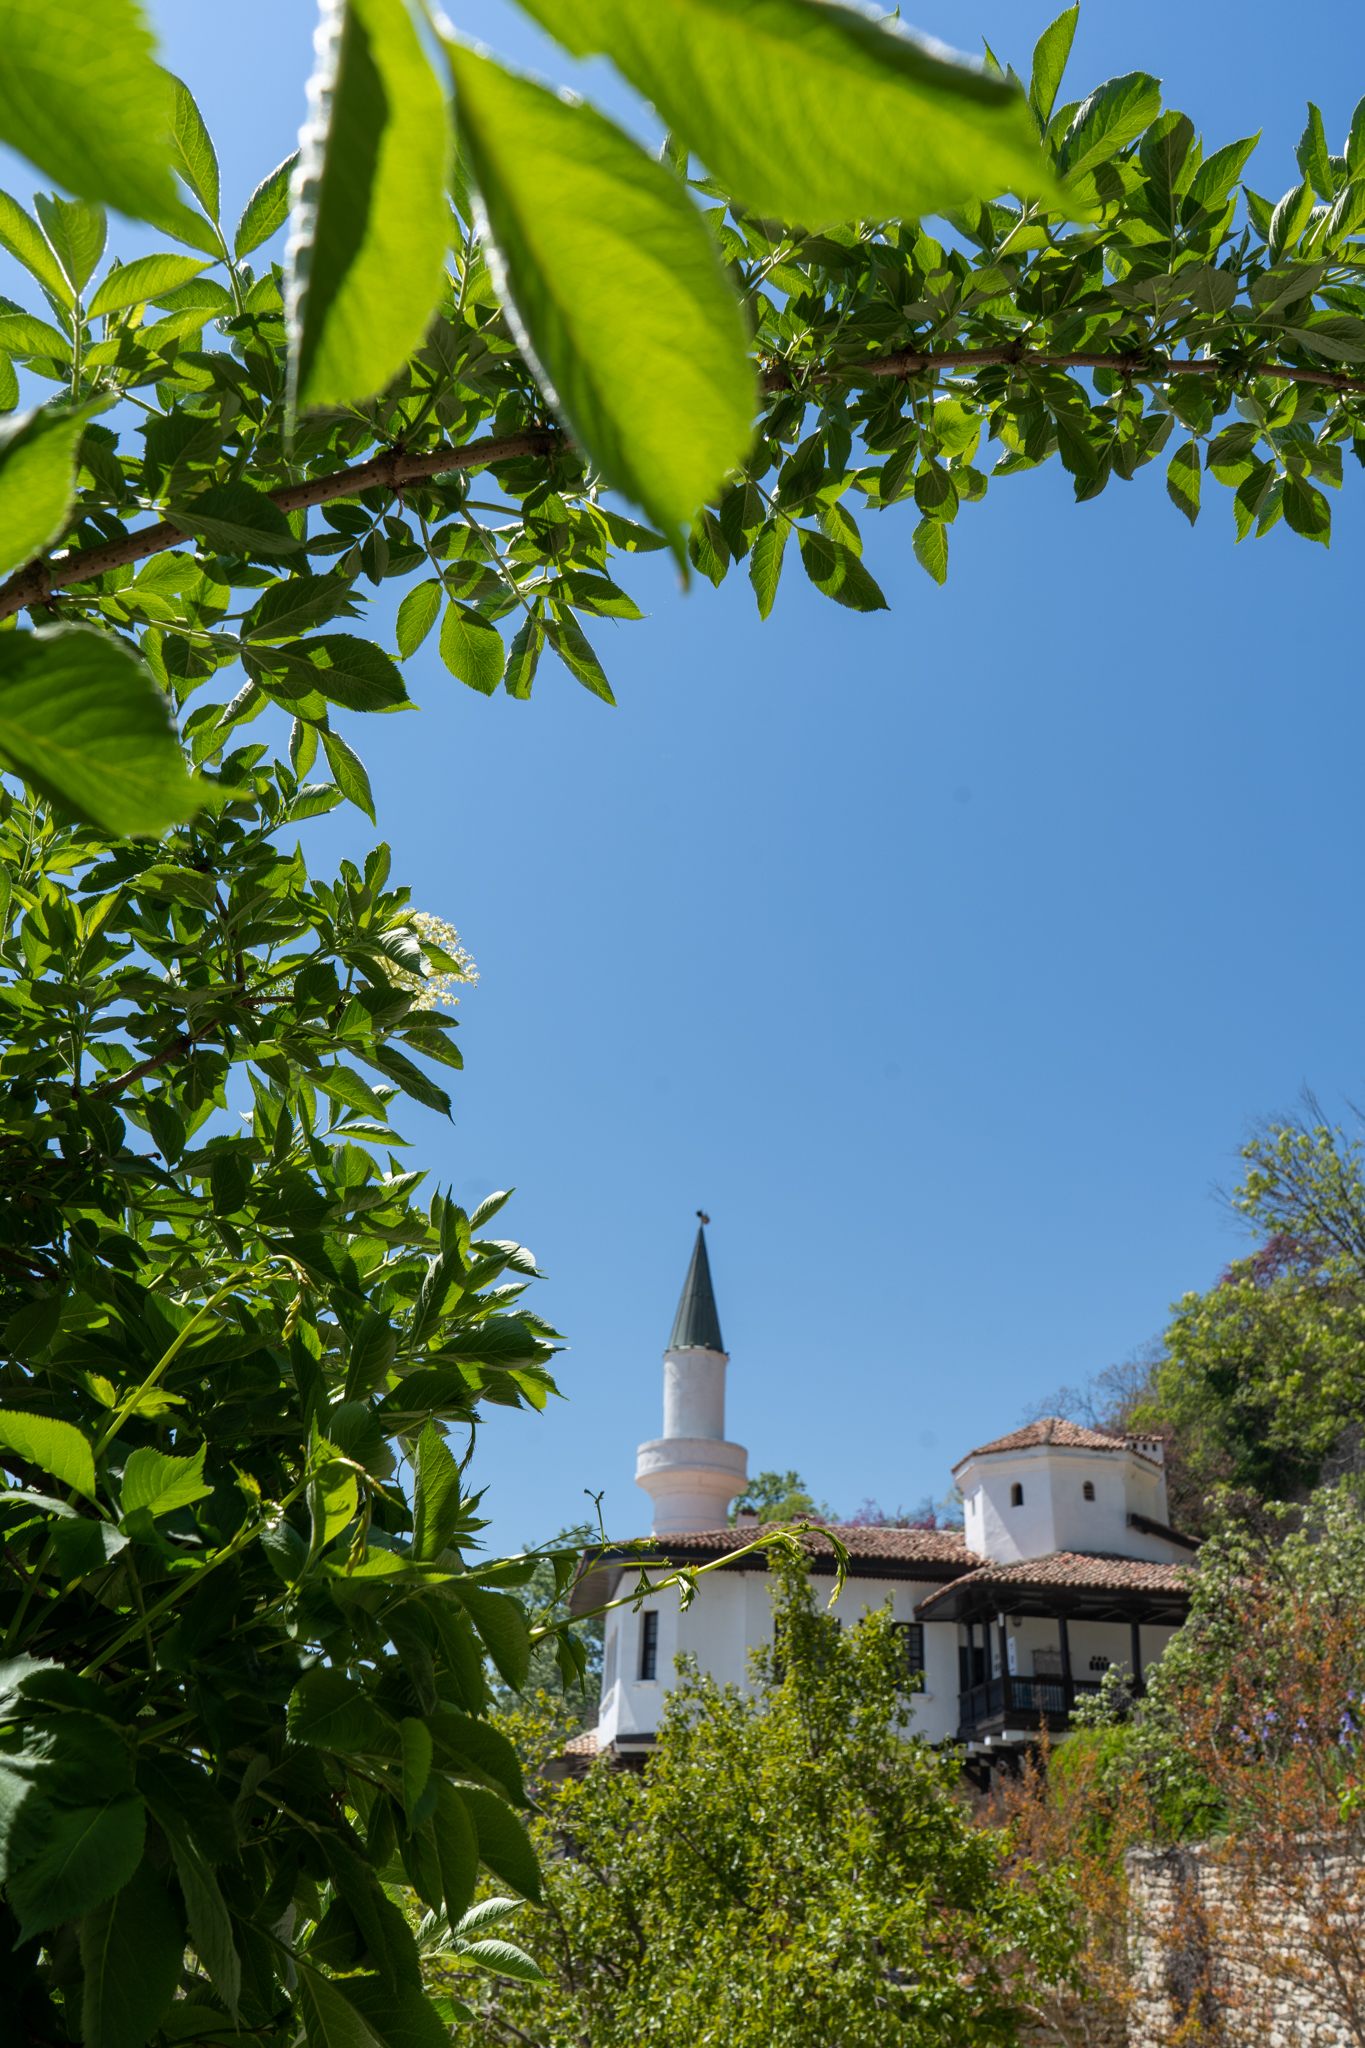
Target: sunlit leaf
616 287
83 722
812 112
81 97
370 220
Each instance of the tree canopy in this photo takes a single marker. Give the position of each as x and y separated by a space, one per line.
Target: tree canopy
791 1868
466 389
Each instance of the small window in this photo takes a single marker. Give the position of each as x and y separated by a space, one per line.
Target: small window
1016 1495
1099 1663
649 1644
911 1634
1088 1490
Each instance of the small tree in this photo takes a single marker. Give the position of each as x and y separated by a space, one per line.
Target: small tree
790 1868
1245 1762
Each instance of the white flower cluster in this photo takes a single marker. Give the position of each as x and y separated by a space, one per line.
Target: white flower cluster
430 989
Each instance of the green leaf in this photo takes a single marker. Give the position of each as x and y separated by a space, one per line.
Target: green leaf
930 543
417 616
504 1844
77 233
180 1792
291 607
501 1625
1289 220
616 290
1050 53
457 1848
267 209
146 277
332 1493
344 1085
9 384
81 97
58 1447
1306 511
575 650
372 221
504 1957
1114 115
1314 157
436 1508
22 236
37 482
598 595
329 1710
461 1742
471 648
160 1483
402 2017
523 658
1182 479
236 519
765 562
88 1852
210 1924
348 772
1251 494
836 571
84 1546
83 722
25 335
811 112
416 1741
1218 173
373 1349
338 666
332 2021
131 1951
192 151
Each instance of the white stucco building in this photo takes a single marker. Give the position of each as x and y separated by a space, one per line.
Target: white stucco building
1065 1565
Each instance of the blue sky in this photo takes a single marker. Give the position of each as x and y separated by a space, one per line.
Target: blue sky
941 955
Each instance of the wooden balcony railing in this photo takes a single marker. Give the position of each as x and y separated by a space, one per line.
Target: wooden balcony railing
998 1703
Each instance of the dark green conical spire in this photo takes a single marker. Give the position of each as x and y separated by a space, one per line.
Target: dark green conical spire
696 1326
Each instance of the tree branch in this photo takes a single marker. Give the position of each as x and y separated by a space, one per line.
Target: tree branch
914 363
34 583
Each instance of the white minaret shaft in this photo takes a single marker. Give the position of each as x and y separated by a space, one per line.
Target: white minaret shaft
691 1473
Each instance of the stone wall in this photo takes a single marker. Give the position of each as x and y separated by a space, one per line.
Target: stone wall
1247 1950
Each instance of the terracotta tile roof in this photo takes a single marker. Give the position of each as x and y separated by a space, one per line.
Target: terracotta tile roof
1053 1429
1070 1570
942 1552
581 1745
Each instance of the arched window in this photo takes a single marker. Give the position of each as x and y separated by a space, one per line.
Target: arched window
1016 1495
1088 1490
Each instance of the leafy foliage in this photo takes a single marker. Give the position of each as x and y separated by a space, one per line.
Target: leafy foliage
1264 1375
461 416
790 1868
780 1497
244 1678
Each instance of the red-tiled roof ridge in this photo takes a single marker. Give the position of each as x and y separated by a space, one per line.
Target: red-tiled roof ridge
581 1745
948 1546
1055 1429
1077 1568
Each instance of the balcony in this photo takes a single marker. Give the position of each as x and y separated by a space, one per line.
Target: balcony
1024 1705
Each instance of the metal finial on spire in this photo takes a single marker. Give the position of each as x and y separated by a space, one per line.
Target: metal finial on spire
696 1326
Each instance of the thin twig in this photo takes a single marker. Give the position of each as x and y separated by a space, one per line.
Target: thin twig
34 583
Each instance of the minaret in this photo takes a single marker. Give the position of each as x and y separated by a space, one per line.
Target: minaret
690 1472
